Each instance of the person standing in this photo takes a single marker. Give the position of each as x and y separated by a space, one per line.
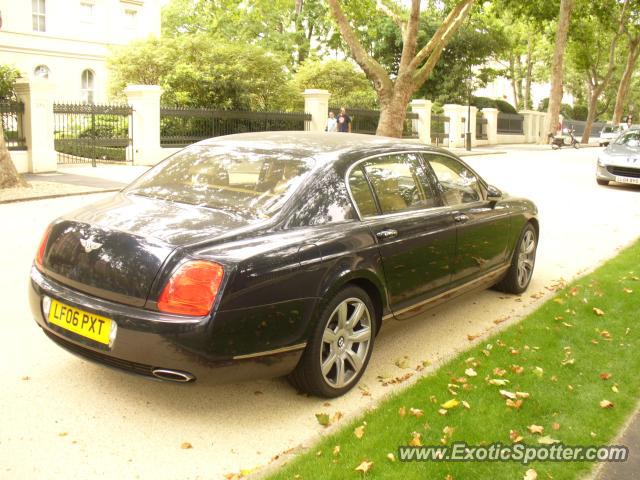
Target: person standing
332 123
344 121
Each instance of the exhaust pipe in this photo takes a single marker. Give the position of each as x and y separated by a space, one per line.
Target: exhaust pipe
173 375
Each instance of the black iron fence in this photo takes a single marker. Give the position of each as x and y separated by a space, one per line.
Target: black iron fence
439 129
89 133
578 126
481 128
510 123
180 127
366 121
11 114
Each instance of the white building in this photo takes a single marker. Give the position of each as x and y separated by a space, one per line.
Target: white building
68 41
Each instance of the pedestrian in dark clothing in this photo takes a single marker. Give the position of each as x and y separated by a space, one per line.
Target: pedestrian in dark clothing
344 121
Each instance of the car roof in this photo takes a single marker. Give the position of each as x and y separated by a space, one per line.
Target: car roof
314 144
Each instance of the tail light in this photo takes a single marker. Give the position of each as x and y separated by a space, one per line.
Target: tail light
192 289
42 247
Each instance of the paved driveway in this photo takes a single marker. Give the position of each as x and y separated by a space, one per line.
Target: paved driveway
62 416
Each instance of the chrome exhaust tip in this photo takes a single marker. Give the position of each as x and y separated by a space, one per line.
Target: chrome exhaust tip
173 375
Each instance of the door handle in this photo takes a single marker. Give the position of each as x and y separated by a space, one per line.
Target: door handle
461 218
387 233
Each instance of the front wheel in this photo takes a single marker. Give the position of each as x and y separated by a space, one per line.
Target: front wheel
576 145
520 271
340 346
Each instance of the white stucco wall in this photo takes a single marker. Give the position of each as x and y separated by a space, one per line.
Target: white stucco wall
72 42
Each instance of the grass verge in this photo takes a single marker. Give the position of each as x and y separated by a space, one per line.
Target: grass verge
577 350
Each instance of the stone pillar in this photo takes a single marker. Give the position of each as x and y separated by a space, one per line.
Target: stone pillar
473 125
145 128
423 109
491 114
528 125
456 128
38 124
316 102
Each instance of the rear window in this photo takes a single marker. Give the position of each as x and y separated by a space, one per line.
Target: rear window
252 183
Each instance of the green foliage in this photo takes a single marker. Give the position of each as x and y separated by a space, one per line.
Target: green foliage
580 112
8 77
486 102
194 71
348 85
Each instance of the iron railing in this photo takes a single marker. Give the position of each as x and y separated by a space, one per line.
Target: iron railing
11 115
481 128
180 127
366 121
510 123
90 133
439 129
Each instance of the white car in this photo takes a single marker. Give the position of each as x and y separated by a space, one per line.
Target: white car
609 133
620 161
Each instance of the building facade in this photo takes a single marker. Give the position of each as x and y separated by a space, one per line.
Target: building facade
68 41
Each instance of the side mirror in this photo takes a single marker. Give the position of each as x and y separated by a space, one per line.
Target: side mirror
493 194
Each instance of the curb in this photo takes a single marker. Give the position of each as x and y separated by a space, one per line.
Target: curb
46 197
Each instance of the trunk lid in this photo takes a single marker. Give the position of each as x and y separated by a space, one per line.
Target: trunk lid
114 249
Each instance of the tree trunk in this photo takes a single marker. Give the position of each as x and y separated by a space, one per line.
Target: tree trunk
514 80
528 75
593 111
8 174
394 112
557 69
625 81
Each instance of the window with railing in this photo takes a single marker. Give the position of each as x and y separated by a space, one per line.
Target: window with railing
38 15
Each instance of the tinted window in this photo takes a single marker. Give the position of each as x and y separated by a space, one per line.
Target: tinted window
399 183
361 192
251 183
630 139
457 183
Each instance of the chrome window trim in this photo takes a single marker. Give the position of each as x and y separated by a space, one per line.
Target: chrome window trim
482 182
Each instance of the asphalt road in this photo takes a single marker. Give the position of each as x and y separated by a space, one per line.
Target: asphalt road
65 418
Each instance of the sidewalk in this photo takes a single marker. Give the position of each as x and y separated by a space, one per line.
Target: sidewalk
630 438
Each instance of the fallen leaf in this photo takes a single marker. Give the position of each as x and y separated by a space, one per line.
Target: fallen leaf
470 372
606 404
453 403
359 432
63 434
593 434
323 419
555 426
465 404
627 290
319 453
605 376
442 411
547 440
508 394
336 450
416 412
471 338
391 457
614 389
511 404
499 382
402 411
415 440
522 394
336 417
402 362
530 474
514 436
536 428
517 369
186 445
499 371
605 334
514 351
448 431
598 311
364 467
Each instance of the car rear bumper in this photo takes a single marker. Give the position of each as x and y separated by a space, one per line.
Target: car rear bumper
147 341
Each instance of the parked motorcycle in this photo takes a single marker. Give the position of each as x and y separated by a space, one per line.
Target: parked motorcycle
565 140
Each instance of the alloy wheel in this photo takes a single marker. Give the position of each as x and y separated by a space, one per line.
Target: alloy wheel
526 257
345 342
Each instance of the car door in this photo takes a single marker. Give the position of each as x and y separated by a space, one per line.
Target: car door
483 226
416 236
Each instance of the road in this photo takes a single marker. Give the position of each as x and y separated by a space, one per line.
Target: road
64 417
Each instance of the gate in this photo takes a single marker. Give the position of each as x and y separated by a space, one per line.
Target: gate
90 134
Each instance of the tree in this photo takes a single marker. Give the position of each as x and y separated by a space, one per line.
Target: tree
593 51
415 66
347 85
557 68
196 72
8 174
632 32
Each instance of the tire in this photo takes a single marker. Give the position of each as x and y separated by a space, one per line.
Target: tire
602 182
523 262
576 145
331 340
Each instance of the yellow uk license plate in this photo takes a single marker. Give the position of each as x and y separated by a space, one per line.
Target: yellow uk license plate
83 323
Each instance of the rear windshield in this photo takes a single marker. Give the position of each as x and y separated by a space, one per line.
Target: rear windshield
253 183
630 139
